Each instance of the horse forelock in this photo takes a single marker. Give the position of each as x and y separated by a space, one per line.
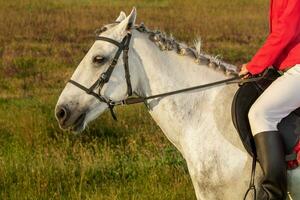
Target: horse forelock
105 28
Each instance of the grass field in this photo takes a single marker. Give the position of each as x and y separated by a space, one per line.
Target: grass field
42 42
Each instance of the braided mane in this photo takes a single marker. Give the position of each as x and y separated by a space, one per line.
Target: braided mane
165 43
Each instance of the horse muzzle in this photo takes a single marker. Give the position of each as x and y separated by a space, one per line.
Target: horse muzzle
69 119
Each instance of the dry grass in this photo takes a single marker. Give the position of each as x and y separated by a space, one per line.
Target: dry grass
41 43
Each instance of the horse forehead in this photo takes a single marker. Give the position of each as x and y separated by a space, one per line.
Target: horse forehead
111 32
100 47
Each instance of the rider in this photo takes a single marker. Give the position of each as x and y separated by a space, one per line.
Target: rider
282 51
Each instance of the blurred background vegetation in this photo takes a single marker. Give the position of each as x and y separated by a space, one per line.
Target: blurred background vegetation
42 42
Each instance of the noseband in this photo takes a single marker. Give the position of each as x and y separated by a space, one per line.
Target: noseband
123 46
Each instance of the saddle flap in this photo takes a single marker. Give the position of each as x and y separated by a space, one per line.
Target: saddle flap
246 95
243 99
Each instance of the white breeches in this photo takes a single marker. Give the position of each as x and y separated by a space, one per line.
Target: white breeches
276 102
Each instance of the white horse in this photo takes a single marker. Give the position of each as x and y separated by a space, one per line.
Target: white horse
198 123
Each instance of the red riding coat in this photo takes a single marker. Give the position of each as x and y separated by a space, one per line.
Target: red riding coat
282 47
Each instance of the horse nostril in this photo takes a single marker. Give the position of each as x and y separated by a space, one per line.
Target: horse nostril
62 114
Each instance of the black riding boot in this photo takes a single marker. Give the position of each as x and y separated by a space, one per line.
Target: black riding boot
271 156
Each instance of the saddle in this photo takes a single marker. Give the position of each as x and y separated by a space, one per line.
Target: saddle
289 127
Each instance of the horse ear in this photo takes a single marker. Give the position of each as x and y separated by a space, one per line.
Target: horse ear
128 22
131 19
121 17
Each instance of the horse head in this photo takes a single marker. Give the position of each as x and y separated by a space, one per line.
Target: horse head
101 77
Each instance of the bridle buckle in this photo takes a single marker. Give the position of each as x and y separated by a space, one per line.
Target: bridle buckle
103 78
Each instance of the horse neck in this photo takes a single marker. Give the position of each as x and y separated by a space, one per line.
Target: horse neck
198 123
165 71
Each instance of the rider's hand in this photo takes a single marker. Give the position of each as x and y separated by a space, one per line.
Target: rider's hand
244 71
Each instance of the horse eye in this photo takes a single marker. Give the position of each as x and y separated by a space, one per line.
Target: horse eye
99 59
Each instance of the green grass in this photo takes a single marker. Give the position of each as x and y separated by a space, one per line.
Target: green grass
42 42
125 160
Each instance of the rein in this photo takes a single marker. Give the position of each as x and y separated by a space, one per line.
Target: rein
123 46
234 80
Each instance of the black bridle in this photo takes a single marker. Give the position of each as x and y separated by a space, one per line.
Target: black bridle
123 46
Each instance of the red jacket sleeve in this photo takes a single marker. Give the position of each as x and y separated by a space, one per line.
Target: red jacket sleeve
285 31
